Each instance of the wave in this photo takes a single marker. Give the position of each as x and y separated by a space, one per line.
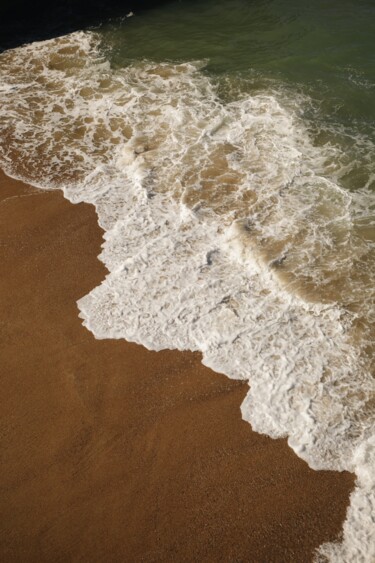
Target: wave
229 229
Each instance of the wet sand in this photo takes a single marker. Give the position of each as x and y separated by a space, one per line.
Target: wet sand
114 453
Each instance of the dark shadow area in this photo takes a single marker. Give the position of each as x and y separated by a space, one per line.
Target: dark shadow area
24 21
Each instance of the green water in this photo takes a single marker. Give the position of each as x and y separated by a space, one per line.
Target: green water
325 48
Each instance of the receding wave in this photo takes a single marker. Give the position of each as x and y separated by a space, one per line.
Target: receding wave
230 228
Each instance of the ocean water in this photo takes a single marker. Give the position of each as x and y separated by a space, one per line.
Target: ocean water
228 148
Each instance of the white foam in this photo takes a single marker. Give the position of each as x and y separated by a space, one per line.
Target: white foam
217 217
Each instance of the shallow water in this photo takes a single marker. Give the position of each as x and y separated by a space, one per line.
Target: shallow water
229 150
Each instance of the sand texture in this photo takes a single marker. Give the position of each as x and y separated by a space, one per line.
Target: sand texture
110 452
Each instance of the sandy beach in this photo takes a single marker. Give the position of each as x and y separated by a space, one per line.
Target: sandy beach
111 452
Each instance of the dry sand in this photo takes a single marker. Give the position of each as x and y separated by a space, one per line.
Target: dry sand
114 453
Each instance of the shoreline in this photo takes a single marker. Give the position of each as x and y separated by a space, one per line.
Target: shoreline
113 451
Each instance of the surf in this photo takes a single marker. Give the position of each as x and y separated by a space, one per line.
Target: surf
228 230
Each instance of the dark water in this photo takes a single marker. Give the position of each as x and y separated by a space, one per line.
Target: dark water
324 47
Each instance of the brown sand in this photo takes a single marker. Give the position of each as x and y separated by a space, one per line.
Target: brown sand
114 453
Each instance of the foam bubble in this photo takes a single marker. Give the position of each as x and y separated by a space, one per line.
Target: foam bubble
227 230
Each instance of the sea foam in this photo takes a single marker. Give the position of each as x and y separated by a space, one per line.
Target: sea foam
227 230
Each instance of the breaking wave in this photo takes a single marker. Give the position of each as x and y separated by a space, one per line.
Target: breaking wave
229 229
